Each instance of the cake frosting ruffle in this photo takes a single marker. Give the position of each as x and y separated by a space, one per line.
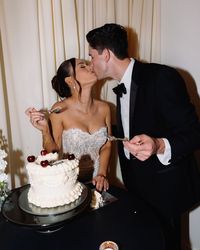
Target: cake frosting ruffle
54 200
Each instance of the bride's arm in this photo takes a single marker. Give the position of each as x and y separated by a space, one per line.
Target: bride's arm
101 180
52 137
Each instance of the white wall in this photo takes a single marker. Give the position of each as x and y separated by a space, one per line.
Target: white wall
180 47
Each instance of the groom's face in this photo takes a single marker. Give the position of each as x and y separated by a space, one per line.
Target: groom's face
98 63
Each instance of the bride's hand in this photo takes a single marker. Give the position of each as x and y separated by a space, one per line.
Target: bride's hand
101 182
37 119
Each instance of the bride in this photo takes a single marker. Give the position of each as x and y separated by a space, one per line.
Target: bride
79 123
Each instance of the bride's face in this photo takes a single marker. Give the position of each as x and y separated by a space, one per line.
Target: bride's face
84 74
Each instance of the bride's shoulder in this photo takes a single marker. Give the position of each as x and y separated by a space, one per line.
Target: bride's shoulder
103 108
61 104
61 107
58 110
102 104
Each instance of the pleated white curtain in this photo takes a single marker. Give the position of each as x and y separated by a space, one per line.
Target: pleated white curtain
35 37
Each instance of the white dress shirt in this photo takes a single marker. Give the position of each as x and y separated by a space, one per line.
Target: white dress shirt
125 110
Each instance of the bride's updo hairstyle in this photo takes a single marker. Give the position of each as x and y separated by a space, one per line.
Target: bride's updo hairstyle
67 68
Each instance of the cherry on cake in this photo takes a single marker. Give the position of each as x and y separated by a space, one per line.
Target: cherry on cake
53 182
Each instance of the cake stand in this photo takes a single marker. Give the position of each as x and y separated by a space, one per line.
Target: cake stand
18 210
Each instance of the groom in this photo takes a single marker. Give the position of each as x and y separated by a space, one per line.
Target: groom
155 113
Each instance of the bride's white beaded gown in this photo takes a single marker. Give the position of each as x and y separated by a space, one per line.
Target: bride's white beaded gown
86 147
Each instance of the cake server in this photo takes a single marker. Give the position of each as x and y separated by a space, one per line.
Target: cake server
113 138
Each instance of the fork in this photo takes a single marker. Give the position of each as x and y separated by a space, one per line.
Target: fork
56 110
113 138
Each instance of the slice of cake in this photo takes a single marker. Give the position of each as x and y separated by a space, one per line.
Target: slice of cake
53 182
97 200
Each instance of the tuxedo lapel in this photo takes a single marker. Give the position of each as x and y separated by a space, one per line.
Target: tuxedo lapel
133 93
120 132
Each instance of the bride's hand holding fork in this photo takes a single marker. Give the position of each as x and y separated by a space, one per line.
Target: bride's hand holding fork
37 119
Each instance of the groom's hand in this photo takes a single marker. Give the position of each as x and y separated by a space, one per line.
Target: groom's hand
143 146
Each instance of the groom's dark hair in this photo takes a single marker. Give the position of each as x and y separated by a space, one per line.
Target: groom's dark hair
110 36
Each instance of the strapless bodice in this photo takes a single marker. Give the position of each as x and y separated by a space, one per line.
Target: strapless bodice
78 142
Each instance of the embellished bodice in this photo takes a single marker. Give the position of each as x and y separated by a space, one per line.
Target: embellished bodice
78 142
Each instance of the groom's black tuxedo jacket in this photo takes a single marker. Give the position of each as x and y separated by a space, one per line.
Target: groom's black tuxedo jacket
160 107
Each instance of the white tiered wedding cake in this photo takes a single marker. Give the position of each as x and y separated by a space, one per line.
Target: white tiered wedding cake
53 182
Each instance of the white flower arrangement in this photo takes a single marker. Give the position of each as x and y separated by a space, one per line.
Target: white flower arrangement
3 176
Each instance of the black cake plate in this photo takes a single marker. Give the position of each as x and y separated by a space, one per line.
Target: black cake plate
18 210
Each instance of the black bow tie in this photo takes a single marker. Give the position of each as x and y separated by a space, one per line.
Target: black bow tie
120 90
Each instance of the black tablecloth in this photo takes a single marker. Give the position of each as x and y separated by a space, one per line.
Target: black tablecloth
127 221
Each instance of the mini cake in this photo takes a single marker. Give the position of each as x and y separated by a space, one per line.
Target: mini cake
53 182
